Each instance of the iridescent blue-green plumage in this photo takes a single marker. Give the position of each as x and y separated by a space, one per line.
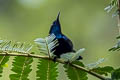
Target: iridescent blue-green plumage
65 44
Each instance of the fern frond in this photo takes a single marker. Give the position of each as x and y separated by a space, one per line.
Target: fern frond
47 70
11 46
75 74
72 56
113 4
115 75
46 45
116 47
95 64
103 70
3 61
21 67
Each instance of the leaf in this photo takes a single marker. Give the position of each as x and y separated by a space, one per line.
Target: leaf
47 70
108 8
116 47
21 67
94 65
3 61
75 74
47 45
115 14
72 56
103 70
116 74
118 37
113 4
11 46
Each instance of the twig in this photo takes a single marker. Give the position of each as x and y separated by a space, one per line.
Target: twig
119 16
58 60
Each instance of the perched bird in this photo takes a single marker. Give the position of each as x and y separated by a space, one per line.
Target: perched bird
65 44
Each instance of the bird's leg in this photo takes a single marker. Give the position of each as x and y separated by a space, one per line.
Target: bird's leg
55 57
80 57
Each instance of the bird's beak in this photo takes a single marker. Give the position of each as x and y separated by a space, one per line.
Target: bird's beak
58 16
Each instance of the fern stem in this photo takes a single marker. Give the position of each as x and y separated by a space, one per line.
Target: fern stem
22 69
48 70
2 60
58 60
47 48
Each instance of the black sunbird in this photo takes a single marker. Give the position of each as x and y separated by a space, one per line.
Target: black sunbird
65 44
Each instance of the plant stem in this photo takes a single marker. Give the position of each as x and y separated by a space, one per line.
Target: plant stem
119 16
58 60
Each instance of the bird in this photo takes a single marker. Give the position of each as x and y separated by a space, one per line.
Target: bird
65 44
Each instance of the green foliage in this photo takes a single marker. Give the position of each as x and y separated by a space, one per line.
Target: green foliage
103 70
11 46
113 5
45 45
47 70
3 60
72 56
95 64
116 47
116 74
21 67
75 74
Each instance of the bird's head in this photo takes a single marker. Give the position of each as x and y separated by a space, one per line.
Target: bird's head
55 27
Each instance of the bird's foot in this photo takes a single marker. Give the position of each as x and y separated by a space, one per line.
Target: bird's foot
54 59
80 57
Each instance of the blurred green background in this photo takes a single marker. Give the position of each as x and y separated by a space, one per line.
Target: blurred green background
84 21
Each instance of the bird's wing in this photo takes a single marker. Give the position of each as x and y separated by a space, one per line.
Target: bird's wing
67 40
